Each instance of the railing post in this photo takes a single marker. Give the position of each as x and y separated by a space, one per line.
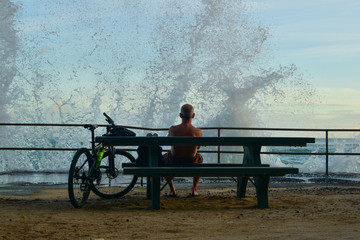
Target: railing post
219 146
327 152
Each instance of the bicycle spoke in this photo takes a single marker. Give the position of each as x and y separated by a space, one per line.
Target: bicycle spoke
112 182
78 184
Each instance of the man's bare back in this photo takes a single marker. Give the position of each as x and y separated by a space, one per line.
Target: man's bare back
184 130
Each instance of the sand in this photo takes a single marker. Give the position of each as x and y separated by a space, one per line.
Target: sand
297 211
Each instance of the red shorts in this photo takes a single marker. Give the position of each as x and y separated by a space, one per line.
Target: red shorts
170 159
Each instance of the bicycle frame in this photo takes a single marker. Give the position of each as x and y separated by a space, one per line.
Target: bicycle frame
95 154
92 129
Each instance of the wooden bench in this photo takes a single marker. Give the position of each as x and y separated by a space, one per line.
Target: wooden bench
261 177
251 161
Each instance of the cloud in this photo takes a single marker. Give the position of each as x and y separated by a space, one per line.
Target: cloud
341 96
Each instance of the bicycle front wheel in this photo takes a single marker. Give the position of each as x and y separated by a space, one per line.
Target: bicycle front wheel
114 184
79 185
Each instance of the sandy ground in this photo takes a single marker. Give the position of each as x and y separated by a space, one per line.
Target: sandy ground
297 211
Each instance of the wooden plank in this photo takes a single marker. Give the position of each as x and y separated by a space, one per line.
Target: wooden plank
210 171
126 165
204 141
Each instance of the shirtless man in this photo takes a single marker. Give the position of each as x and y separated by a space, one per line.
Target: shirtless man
184 154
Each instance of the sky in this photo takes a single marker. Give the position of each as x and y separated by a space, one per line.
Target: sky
322 37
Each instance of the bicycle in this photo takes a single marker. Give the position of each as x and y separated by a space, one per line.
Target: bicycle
99 169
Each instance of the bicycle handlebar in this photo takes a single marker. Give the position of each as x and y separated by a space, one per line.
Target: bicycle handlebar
109 120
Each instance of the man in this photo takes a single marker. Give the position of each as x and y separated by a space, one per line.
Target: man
184 154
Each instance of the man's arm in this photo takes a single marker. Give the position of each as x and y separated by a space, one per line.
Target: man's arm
199 134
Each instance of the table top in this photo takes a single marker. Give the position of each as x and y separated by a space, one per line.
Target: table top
204 141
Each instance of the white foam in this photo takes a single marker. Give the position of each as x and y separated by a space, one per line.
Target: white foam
139 62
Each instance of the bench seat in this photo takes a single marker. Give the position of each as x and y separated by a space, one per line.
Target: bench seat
261 177
206 171
126 165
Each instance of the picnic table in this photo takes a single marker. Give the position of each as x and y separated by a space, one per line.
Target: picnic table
250 167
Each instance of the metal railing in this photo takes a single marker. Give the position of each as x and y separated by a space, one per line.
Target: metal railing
219 130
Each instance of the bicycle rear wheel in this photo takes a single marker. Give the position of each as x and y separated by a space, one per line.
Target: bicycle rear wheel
108 186
79 185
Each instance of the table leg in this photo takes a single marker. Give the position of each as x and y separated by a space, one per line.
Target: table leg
262 186
241 187
155 192
155 180
148 188
251 158
252 155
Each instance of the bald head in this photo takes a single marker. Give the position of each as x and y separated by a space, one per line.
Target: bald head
187 111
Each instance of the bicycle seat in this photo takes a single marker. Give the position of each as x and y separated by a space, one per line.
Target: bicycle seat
90 126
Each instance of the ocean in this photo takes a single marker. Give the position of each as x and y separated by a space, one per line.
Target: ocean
51 167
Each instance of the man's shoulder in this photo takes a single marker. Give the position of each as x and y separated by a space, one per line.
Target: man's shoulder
173 130
198 132
174 127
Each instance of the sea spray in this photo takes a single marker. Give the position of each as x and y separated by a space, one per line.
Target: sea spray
142 68
139 61
209 53
336 163
8 53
